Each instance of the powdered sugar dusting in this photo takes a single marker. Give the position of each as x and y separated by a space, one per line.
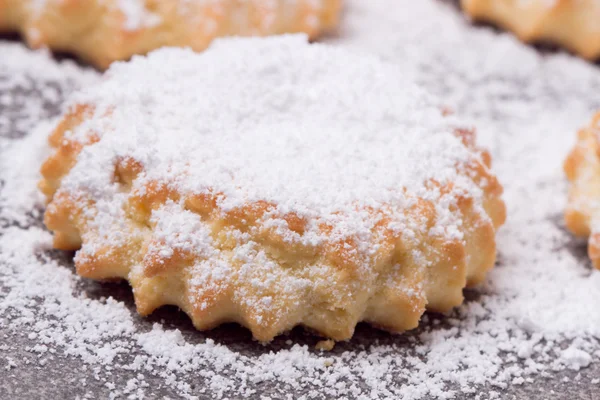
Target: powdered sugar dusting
535 316
20 196
383 140
21 92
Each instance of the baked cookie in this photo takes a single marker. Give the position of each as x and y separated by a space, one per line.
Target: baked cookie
582 167
574 24
102 31
272 183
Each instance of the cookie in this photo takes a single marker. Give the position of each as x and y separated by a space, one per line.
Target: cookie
273 183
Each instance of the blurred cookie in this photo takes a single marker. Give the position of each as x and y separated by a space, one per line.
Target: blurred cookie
574 24
102 31
583 170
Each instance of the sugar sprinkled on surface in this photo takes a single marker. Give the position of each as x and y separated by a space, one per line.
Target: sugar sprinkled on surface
19 91
536 314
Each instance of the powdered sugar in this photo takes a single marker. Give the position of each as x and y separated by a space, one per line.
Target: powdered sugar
29 93
136 14
535 315
192 235
21 92
19 195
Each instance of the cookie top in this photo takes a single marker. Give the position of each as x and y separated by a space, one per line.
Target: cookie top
312 129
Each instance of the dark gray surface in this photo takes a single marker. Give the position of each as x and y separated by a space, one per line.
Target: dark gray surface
57 376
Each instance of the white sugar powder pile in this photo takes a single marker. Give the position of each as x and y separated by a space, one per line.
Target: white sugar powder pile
537 313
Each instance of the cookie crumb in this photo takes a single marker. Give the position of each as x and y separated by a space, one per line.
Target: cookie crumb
325 345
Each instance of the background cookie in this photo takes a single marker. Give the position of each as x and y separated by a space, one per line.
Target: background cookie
583 170
102 31
574 24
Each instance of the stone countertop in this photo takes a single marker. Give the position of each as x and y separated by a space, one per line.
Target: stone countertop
29 374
